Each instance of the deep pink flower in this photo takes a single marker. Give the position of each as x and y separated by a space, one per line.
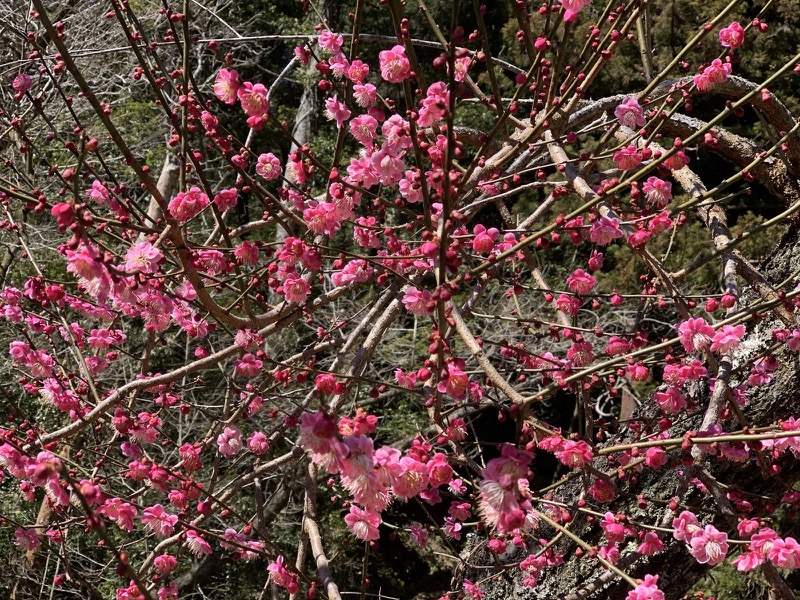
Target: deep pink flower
647 590
614 530
575 454
727 338
22 83
717 71
226 199
187 205
628 158
581 282
695 334
732 36
227 85
671 400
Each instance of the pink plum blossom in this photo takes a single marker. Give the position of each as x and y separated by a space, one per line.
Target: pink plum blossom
732 36
394 64
630 114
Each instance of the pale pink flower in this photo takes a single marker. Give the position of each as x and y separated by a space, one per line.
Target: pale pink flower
581 282
26 539
157 520
339 65
677 161
455 383
461 68
388 164
732 36
143 257
685 526
605 230
362 524
282 577
229 442
227 85
248 366
365 94
357 71
394 64
405 380
657 191
580 354
628 158
196 544
417 302
22 83
165 563
630 113
709 545
785 553
296 289
253 98
258 443
269 166
419 534
364 129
